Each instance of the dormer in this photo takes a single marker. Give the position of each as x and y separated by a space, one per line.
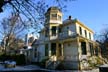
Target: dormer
53 15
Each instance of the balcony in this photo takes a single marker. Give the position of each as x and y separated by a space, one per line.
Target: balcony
67 34
53 37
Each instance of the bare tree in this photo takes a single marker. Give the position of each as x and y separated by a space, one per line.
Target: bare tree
11 30
33 10
103 40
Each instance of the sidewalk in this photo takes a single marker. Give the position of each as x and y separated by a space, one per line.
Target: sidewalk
94 70
37 68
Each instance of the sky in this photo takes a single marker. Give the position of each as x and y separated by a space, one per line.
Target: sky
92 13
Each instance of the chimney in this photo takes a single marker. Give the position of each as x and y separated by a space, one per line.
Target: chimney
70 17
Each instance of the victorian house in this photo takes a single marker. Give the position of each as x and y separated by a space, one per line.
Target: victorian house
69 41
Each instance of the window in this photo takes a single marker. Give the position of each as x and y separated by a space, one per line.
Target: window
60 30
67 27
46 31
31 39
59 17
53 49
96 51
83 47
80 30
47 18
85 33
60 50
46 49
35 54
53 31
89 35
54 16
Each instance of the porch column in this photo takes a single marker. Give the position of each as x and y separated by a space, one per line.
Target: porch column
99 52
57 49
49 49
79 47
62 48
88 48
79 53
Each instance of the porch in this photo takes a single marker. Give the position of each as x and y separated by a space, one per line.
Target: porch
62 51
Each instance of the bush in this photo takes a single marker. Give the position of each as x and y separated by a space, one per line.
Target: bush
4 57
20 58
95 61
43 62
60 66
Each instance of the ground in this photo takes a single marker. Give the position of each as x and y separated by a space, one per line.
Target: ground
34 67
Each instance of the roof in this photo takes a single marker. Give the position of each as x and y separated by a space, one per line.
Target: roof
53 8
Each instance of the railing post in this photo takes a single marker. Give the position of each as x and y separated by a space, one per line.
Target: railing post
62 48
49 49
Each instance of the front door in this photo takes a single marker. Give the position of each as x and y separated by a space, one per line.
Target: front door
53 49
83 48
60 50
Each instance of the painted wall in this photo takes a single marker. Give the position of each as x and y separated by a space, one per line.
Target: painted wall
70 51
83 33
41 51
42 36
70 27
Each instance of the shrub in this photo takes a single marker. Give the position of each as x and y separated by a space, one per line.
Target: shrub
43 62
95 61
20 58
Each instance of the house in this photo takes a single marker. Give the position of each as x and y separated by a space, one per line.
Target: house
69 41
28 50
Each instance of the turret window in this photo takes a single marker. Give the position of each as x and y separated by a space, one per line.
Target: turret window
59 17
54 16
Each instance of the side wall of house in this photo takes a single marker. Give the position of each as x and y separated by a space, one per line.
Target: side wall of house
41 52
71 55
70 27
83 31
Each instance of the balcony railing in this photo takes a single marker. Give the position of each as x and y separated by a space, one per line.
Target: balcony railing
67 34
62 35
